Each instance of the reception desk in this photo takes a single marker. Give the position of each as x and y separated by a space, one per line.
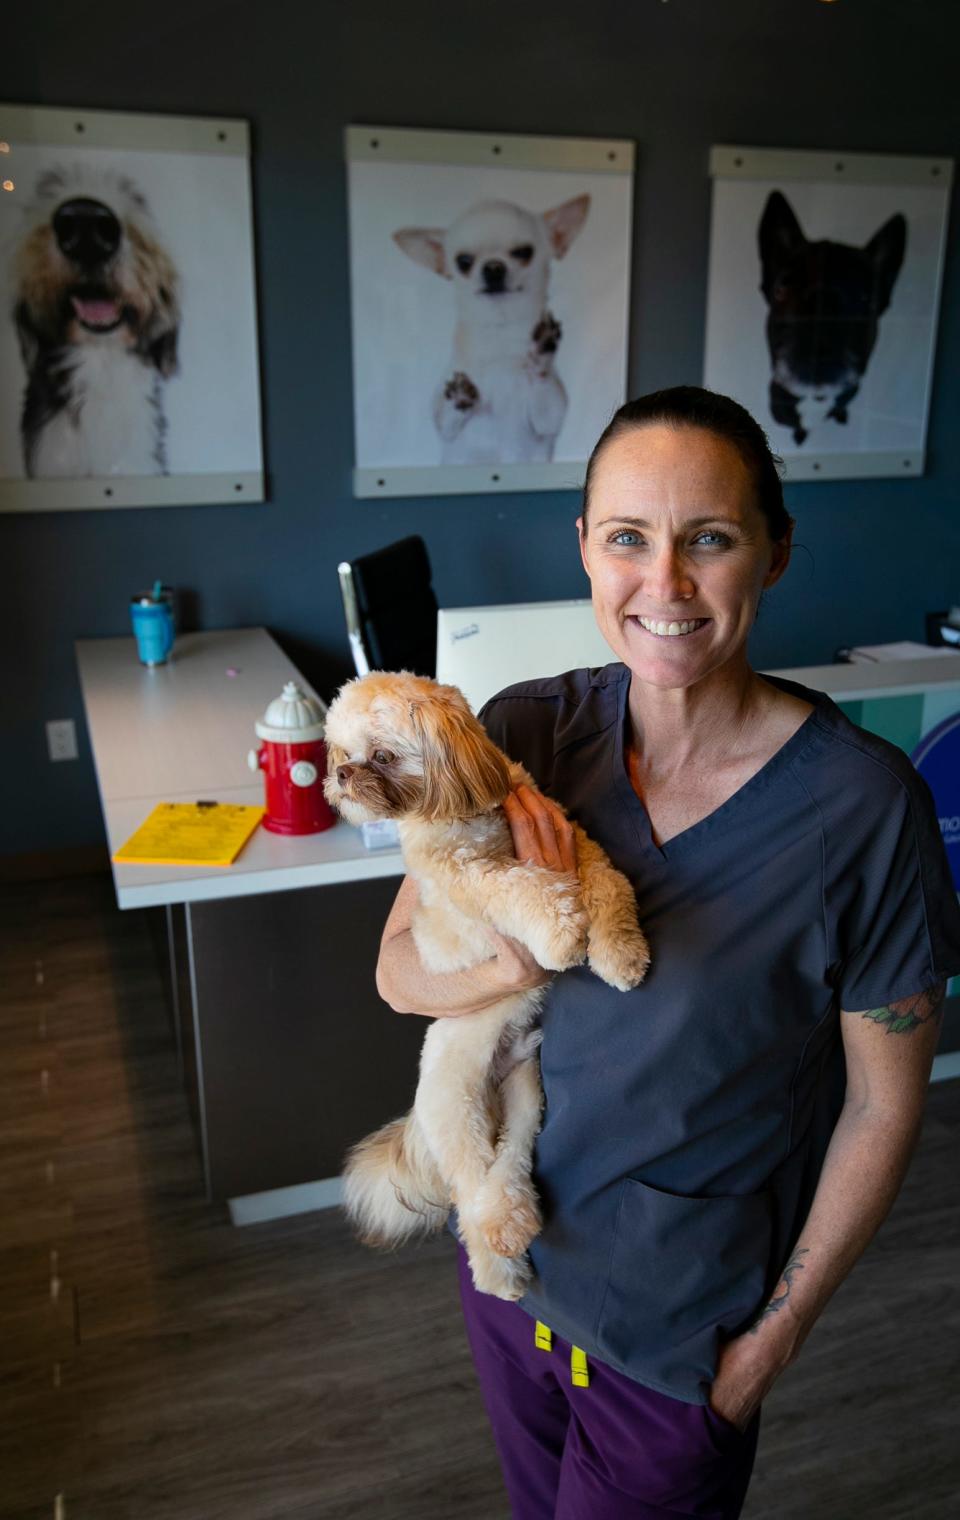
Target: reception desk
288 1053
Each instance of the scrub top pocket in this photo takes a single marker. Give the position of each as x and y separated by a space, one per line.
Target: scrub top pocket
685 1273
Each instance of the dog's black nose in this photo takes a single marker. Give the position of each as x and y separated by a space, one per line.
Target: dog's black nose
494 274
86 231
344 772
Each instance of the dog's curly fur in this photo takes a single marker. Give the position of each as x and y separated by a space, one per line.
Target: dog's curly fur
401 746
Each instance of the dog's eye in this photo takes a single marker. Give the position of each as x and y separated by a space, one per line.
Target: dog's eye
383 757
464 262
523 253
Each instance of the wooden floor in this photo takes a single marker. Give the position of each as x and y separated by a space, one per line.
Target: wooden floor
158 1364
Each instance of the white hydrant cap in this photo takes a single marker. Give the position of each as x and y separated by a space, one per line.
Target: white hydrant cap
293 717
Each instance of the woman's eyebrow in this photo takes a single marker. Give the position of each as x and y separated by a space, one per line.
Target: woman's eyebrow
691 522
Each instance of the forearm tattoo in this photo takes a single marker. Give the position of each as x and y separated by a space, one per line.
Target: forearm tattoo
910 1013
782 1292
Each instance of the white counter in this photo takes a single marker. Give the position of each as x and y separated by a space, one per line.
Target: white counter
892 678
181 733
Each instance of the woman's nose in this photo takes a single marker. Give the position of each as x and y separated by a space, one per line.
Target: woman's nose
668 577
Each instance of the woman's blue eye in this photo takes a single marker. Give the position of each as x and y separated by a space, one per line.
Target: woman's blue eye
625 534
720 538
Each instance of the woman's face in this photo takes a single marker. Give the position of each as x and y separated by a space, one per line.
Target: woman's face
677 552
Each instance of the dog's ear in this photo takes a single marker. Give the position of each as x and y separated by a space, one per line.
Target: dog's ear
779 236
161 337
885 251
162 351
425 246
27 336
564 222
464 774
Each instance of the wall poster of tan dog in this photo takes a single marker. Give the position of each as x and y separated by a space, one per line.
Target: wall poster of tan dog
822 303
128 335
490 294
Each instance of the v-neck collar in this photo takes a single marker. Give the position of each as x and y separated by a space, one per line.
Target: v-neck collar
727 812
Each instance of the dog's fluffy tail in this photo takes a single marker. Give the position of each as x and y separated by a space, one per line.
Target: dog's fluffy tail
392 1189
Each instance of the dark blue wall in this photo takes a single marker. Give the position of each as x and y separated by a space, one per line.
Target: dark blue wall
675 76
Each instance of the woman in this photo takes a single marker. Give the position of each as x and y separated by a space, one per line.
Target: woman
719 1146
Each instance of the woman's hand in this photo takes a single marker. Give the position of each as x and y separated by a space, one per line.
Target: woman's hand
514 967
542 833
408 987
746 1372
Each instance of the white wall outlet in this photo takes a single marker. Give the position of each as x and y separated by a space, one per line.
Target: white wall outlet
62 739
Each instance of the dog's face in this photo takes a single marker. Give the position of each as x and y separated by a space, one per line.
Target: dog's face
497 254
91 271
825 299
402 746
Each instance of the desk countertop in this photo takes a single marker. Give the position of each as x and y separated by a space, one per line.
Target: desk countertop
887 678
181 732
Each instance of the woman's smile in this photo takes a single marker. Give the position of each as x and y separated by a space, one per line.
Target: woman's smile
669 628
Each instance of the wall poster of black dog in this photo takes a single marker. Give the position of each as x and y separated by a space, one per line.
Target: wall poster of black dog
822 307
128 342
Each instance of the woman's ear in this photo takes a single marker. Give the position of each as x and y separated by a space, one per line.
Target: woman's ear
782 549
582 540
464 774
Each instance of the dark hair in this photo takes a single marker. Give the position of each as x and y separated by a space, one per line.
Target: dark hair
692 406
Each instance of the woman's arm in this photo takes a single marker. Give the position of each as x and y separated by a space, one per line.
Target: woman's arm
889 1053
542 836
405 983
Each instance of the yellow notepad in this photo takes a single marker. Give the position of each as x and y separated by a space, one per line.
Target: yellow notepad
190 834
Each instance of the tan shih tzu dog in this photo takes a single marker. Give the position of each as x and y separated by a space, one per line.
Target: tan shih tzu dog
401 746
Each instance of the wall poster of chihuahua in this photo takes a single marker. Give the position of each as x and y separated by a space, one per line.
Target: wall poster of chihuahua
128 335
822 302
490 296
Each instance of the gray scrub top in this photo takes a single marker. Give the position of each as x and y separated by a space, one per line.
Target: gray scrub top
685 1123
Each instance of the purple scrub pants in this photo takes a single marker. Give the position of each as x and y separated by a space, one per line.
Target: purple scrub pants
614 1450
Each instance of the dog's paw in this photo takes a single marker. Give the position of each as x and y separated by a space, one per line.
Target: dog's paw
557 947
461 392
621 960
547 334
566 927
509 1218
502 1276
544 341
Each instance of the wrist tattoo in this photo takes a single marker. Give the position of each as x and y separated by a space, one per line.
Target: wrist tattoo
782 1291
910 1013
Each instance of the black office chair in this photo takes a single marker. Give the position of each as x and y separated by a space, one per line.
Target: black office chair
391 609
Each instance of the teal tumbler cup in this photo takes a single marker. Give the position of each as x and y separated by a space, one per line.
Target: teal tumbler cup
151 613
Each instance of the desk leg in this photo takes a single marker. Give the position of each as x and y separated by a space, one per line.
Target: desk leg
186 1024
174 987
200 1100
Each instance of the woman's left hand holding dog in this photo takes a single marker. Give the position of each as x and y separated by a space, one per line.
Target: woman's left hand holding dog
542 833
